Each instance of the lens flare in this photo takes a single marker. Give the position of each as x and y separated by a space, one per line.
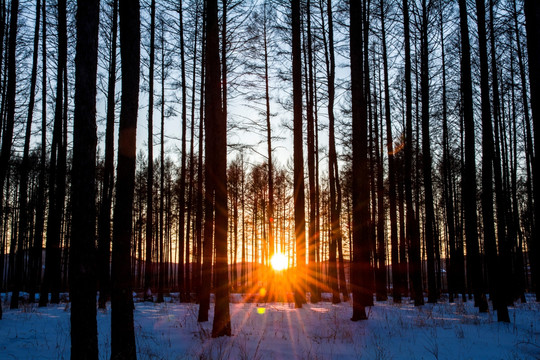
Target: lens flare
279 262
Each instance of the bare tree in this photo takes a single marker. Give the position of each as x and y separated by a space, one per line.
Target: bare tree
82 265
298 182
474 266
122 329
360 266
7 133
532 16
148 272
104 225
57 172
23 186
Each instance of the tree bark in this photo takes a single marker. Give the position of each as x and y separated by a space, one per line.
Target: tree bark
426 159
122 328
298 159
311 151
495 276
216 168
411 220
40 208
161 279
532 17
360 266
82 260
451 262
23 185
104 240
396 275
52 276
474 266
148 271
183 286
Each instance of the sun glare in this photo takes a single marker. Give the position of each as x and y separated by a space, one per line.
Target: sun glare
279 262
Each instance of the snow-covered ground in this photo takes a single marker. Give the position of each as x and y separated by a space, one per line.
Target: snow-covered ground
279 331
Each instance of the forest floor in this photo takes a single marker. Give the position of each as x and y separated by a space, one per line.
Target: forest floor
279 331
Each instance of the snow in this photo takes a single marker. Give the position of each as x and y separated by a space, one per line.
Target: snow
279 331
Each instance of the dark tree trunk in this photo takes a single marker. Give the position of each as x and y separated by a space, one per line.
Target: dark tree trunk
243 272
35 277
380 246
122 329
426 160
474 265
451 260
396 275
207 250
526 126
529 148
23 185
3 33
183 286
360 266
495 276
57 172
404 278
148 272
8 125
411 220
311 150
532 16
104 240
199 220
513 280
366 9
191 175
333 172
216 181
269 150
298 181
82 259
161 279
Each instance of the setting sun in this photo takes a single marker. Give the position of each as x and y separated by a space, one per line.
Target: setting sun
279 262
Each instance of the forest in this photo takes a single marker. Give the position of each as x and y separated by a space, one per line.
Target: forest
302 152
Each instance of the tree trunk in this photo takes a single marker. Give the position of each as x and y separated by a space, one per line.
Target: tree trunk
532 16
411 220
104 240
495 276
7 128
380 270
298 181
82 260
426 160
311 150
396 275
360 266
148 272
122 329
216 181
269 148
199 220
474 266
161 280
451 268
183 286
23 185
57 171
40 208
191 174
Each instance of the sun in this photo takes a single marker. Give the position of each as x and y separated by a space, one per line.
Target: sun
279 262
